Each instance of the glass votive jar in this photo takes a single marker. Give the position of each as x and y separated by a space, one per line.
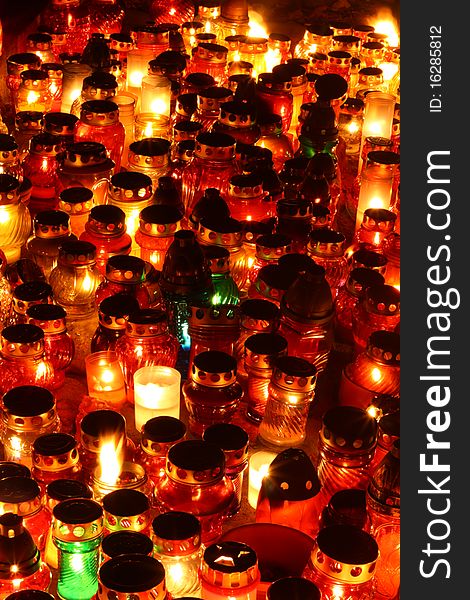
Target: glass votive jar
72 83
125 542
106 230
55 76
99 123
127 475
342 563
26 295
132 575
212 394
156 393
149 125
195 482
126 275
347 507
261 350
86 164
51 229
150 156
156 94
16 64
55 456
10 156
33 92
77 203
157 225
105 379
295 588
346 445
27 412
13 469
112 314
77 530
233 440
126 510
22 496
177 545
15 218
229 571
291 391
131 192
157 436
27 125
258 467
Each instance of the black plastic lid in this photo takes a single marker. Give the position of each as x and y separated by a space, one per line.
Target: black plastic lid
369 259
75 511
125 262
293 588
125 503
389 424
327 236
13 469
295 366
164 429
176 525
28 401
147 316
259 309
347 544
101 80
276 277
237 557
119 305
350 423
226 435
130 180
77 248
7 143
33 290
215 139
16 547
59 120
107 213
131 573
53 444
161 214
346 507
99 106
200 80
150 147
100 423
196 455
387 341
296 262
126 542
14 490
187 127
266 343
76 195
66 489
213 361
30 595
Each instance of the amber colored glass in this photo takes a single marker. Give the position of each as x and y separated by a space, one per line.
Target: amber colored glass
112 313
77 202
212 394
349 295
269 248
246 198
15 218
124 275
68 17
212 166
157 225
343 461
22 358
59 347
195 482
40 166
106 17
327 247
106 130
210 59
275 140
379 310
147 341
26 295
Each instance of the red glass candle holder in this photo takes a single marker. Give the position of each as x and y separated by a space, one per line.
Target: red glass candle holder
112 314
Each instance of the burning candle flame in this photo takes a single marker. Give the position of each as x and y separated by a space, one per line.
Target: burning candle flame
32 97
111 460
257 26
385 23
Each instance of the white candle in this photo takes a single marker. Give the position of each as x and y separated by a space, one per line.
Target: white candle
379 109
257 470
156 393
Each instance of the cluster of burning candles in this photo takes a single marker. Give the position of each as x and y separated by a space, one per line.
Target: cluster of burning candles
195 214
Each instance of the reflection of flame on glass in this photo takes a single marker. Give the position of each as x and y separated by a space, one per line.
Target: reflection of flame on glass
207 27
135 78
236 56
159 106
111 459
273 58
87 283
32 97
385 23
376 203
4 215
312 49
376 374
172 11
148 131
352 127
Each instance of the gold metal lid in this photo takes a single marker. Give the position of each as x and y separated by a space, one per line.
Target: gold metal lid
121 42
125 269
225 233
176 533
35 80
346 43
114 310
98 426
195 462
51 224
211 99
218 259
22 341
133 576
272 246
49 317
160 433
46 144
9 189
54 71
130 186
294 373
212 53
106 220
55 452
262 349
349 430
101 113
126 509
253 45
152 35
20 496
372 51
346 554
214 369
220 321
76 200
77 253
382 300
372 76
39 41
86 154
146 323
326 243
149 153
234 442
231 565
29 120
28 408
259 315
279 41
77 520
17 63
237 114
379 219
384 347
